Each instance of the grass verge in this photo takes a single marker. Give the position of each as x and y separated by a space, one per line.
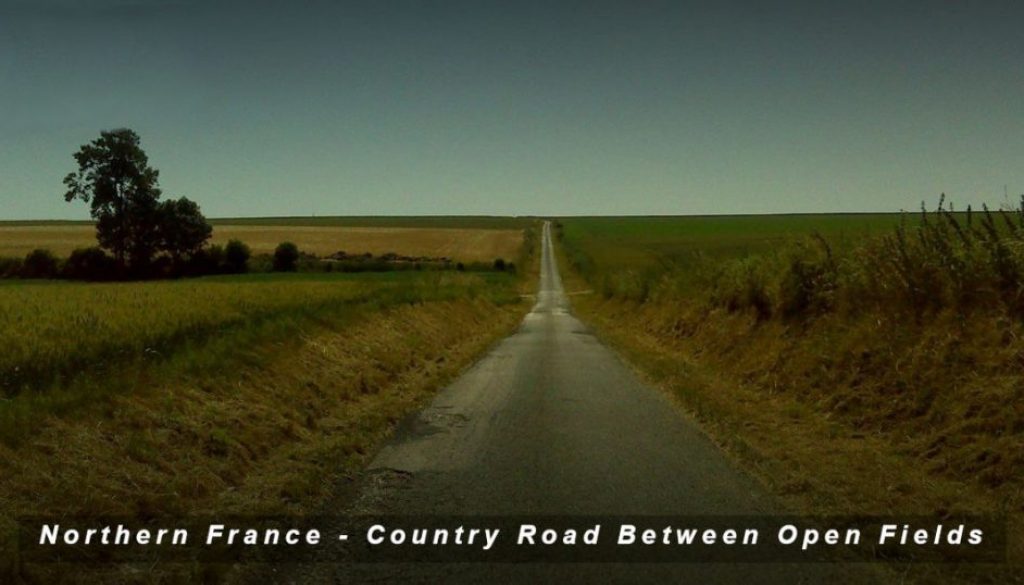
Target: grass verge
828 436
270 437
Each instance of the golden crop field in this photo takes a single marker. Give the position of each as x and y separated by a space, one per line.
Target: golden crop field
43 325
463 244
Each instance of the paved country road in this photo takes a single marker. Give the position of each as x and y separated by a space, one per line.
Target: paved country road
552 422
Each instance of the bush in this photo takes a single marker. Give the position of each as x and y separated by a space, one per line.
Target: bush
499 264
286 257
10 267
744 285
261 263
208 260
39 264
808 285
90 264
236 257
309 263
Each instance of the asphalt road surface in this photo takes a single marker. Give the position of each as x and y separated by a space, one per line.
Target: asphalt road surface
552 422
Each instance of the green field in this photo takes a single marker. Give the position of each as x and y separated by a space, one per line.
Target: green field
936 259
613 243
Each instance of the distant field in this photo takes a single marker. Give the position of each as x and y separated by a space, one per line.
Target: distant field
413 237
636 242
429 221
467 244
422 221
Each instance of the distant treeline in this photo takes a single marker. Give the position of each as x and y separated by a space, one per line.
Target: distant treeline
95 264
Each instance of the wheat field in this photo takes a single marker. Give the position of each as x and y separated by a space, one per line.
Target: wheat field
47 328
461 244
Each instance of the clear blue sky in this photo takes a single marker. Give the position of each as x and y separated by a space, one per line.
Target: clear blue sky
590 107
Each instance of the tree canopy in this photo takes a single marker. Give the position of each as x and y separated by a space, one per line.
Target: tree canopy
115 178
286 257
182 230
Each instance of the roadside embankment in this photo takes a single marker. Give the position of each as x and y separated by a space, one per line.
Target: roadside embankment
884 378
272 434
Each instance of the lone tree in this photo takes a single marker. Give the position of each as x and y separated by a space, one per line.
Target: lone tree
39 264
115 178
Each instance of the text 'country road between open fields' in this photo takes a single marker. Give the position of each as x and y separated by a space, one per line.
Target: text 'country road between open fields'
551 422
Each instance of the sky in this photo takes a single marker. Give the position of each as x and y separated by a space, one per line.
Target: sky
398 107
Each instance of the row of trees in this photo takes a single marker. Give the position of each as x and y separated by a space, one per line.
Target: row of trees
96 264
